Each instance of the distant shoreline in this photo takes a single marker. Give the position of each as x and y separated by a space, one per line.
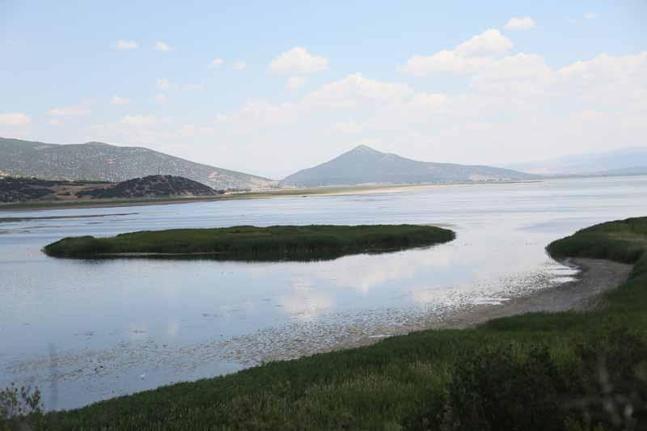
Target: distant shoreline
305 192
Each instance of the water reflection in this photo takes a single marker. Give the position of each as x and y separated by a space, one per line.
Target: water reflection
305 302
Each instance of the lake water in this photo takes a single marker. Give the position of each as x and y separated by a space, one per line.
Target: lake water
89 330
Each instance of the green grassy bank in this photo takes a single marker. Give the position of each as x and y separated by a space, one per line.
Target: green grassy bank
255 243
562 371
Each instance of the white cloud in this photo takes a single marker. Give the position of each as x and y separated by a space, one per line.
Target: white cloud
117 100
466 57
160 98
520 23
216 62
14 119
191 86
125 44
161 46
163 84
354 89
489 43
139 120
295 82
590 15
54 122
261 114
239 65
516 74
348 127
443 61
70 111
298 61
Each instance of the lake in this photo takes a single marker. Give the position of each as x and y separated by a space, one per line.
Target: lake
83 331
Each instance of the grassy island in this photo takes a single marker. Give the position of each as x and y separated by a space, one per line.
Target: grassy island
540 371
255 243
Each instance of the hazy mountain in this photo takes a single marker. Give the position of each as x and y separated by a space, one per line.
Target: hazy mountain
98 161
628 161
364 165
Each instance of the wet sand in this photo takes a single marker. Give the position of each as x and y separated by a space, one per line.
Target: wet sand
596 276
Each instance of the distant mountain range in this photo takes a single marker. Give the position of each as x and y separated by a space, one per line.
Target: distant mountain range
628 161
104 162
364 165
96 161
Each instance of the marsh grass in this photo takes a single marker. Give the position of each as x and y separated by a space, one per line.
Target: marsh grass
254 243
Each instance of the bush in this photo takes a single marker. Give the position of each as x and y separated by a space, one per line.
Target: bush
496 390
20 408
602 385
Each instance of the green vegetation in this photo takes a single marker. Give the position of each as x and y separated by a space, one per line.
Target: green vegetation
255 243
20 408
563 371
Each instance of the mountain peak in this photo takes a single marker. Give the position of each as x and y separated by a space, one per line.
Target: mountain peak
363 149
365 165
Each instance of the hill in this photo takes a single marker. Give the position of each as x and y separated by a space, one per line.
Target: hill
152 186
21 189
627 161
104 162
364 165
33 189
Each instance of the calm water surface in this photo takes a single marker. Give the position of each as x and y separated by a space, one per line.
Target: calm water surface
88 330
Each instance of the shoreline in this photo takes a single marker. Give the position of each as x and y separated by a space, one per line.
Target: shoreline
268 194
596 277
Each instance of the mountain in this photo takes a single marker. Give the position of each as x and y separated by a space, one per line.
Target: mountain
364 165
627 161
99 161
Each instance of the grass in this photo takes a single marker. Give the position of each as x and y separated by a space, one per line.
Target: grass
255 243
562 371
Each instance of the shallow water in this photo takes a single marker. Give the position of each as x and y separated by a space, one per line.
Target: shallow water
88 330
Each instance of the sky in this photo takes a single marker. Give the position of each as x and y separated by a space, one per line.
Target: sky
271 87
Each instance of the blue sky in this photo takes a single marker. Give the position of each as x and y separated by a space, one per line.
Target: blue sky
560 78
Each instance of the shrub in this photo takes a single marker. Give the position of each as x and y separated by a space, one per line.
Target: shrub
20 408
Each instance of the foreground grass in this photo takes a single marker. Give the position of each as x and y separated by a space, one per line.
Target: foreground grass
256 243
570 370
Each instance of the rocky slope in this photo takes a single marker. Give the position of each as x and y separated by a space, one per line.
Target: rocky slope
364 165
98 161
